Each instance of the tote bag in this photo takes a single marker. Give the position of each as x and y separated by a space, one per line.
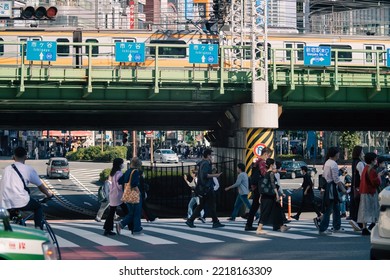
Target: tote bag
130 195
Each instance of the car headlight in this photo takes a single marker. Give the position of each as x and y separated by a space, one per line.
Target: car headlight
50 251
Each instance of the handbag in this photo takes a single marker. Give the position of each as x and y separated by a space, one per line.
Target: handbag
130 195
266 187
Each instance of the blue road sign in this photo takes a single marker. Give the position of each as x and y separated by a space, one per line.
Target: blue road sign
388 58
204 53
41 50
317 56
129 52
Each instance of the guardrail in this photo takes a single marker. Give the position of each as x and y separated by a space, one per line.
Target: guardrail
94 65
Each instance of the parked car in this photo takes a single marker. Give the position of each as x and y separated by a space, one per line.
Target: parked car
58 167
380 234
296 200
23 243
292 169
165 155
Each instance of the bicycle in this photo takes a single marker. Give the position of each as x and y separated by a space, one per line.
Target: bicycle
16 217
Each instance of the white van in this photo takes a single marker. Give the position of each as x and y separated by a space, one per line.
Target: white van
380 234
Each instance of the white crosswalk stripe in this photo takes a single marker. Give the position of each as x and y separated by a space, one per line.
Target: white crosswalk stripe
175 231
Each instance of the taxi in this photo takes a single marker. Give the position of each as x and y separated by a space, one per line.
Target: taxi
23 243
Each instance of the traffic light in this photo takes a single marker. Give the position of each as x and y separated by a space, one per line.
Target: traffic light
38 13
124 137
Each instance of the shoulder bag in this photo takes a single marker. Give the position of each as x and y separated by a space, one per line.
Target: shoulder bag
130 195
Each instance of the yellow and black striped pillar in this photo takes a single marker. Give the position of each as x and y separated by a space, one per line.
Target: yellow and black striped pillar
256 139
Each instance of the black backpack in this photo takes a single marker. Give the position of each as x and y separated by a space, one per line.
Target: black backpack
255 175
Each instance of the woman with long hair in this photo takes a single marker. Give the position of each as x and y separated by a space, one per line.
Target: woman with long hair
115 195
270 210
357 169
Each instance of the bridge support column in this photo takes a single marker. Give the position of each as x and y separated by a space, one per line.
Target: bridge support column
260 118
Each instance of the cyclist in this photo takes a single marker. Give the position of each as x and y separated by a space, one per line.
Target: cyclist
14 193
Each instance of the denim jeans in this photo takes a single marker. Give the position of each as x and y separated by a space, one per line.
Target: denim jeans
343 204
194 200
335 208
237 205
133 218
36 207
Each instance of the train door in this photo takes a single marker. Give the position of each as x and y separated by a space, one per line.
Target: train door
370 57
297 48
25 39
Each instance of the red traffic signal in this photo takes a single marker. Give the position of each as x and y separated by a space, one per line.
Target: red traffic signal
38 13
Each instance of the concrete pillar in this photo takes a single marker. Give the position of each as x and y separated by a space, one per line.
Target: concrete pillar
256 140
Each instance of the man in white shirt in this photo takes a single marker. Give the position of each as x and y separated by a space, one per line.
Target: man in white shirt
331 199
14 193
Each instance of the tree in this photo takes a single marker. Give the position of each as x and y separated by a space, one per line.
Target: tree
348 140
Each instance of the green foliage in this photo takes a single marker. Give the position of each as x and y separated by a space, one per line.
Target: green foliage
94 153
104 174
349 139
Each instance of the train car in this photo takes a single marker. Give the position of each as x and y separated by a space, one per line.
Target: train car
73 47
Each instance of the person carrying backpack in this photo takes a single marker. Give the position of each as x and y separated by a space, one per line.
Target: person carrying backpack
258 172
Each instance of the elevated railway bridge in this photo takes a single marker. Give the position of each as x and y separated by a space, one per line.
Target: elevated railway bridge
174 94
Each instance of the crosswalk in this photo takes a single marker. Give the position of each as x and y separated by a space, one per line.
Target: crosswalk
175 231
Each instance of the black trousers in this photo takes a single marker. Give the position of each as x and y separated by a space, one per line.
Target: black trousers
271 213
207 201
254 208
109 223
308 201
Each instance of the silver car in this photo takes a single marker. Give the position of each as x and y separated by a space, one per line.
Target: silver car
58 167
380 234
165 155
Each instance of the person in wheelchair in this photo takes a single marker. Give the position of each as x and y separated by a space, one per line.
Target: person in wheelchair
14 193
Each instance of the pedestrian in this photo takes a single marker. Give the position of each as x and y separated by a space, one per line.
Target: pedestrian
194 198
103 204
115 195
344 198
369 183
36 153
242 186
205 179
331 198
14 193
385 174
271 210
133 217
358 165
144 188
261 171
307 195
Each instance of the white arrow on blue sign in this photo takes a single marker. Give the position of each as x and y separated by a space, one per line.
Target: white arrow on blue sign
41 50
317 55
204 53
129 52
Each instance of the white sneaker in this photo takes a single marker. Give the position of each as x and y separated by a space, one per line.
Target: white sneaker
326 232
354 225
284 228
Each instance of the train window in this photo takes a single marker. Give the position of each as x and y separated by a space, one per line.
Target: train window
342 56
168 51
247 53
63 50
298 53
95 48
1 47
25 39
127 40
370 56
